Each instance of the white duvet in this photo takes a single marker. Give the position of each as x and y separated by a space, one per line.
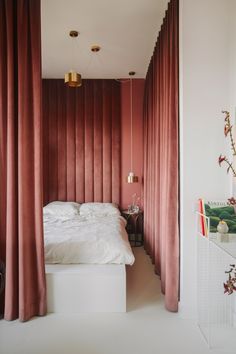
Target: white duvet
94 240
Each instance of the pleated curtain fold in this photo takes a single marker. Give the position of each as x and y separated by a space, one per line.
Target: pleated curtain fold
81 141
21 226
161 158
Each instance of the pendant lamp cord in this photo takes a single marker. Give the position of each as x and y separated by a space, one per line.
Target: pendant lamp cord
72 50
74 54
131 124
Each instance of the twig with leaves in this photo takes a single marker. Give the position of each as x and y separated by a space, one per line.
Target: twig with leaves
230 164
228 130
230 285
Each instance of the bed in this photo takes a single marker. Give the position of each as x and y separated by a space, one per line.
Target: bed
86 252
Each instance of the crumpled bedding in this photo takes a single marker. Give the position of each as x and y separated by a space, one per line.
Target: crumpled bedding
92 240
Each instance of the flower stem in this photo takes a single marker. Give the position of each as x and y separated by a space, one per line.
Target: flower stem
230 167
227 119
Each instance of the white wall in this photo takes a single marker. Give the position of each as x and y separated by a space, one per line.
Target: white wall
232 53
207 64
232 68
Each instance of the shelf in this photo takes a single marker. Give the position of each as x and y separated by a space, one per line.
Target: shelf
216 310
228 247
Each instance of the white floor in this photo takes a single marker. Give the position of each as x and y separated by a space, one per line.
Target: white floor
147 328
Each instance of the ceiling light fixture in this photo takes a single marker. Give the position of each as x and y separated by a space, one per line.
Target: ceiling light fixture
95 48
131 178
72 78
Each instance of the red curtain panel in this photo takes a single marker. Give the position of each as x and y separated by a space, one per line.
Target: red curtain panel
161 158
81 141
21 227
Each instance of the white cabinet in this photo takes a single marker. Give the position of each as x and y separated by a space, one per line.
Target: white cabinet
216 310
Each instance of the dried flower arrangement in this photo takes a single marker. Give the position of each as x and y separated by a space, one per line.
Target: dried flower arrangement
135 207
230 285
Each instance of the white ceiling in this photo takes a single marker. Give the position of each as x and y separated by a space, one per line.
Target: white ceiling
126 30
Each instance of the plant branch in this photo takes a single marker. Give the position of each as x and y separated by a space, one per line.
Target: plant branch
230 284
228 129
230 167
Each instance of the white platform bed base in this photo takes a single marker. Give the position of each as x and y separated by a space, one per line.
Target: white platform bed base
86 288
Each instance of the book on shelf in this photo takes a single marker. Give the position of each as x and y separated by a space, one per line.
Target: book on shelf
202 219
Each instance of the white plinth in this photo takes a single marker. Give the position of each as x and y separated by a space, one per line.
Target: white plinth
86 288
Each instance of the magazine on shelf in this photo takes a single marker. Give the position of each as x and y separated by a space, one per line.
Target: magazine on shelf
216 211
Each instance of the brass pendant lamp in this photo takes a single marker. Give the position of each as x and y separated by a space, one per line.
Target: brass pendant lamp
131 178
72 78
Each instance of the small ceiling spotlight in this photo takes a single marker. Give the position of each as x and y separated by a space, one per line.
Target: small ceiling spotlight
95 48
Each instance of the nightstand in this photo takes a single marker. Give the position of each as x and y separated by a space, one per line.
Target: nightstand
134 227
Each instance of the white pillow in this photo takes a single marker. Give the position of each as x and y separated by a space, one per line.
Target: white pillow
99 209
62 209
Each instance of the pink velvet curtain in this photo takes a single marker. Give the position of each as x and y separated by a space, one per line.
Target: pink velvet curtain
21 231
161 158
81 141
